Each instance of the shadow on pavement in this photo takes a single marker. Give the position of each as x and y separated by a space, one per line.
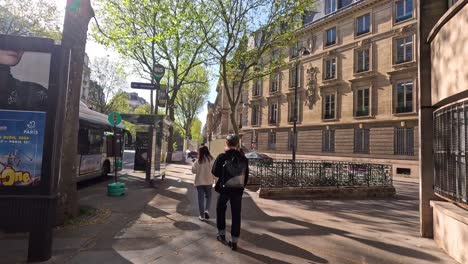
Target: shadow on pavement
376 208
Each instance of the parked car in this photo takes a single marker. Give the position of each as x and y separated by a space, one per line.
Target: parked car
192 155
259 156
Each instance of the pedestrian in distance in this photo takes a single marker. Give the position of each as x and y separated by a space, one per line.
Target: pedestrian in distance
232 170
203 181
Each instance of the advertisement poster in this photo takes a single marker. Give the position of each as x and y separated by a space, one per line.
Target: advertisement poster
21 147
141 150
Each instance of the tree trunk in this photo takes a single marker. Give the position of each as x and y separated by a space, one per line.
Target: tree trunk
170 137
232 116
74 39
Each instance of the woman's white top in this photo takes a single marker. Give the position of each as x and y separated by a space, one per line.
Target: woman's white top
202 172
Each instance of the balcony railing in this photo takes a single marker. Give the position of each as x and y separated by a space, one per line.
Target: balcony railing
315 173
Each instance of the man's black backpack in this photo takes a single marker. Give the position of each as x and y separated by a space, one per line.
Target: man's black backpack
234 169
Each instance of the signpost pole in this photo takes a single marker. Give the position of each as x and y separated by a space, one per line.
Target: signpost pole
115 153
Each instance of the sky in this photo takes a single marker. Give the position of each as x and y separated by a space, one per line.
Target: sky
94 50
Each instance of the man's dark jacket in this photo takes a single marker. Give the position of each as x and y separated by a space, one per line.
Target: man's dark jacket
18 95
217 171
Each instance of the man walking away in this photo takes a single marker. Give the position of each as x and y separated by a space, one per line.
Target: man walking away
232 170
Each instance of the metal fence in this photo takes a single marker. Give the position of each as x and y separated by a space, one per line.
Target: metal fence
450 152
312 173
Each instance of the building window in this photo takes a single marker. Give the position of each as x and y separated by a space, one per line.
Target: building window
273 114
295 50
329 106
404 49
334 5
330 69
404 97
363 25
275 82
330 6
294 77
362 60
403 10
293 108
257 86
255 115
361 140
240 121
330 37
272 140
328 141
362 101
404 141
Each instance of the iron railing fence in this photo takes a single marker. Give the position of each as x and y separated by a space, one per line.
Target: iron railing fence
450 152
315 173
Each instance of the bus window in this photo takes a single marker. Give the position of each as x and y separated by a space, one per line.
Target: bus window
83 141
96 137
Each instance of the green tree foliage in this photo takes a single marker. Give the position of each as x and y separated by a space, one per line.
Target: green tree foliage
119 103
143 109
196 130
191 99
152 31
241 39
107 77
29 18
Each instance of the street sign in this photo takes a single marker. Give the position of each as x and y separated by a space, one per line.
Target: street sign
114 118
138 85
158 71
146 86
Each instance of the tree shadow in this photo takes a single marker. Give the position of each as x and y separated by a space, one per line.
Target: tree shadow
341 209
273 244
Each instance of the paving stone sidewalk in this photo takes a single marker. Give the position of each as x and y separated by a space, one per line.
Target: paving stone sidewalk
160 225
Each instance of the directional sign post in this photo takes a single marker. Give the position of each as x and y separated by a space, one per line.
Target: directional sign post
158 72
114 119
146 86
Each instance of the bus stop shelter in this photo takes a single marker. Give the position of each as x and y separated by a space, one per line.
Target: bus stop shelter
151 143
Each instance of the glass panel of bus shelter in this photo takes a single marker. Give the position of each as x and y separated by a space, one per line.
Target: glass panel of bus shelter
24 84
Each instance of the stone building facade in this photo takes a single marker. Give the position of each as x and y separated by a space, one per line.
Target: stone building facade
444 125
355 70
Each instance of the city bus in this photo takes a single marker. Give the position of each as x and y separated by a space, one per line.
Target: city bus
95 145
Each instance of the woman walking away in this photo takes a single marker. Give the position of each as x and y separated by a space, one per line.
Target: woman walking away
203 181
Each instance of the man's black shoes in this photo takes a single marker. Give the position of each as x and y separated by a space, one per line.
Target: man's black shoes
233 245
221 239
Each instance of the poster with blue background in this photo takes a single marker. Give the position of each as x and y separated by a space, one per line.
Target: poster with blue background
21 147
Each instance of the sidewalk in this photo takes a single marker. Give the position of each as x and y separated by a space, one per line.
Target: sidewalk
161 226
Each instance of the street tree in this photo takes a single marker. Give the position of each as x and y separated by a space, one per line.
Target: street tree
107 77
240 40
143 109
196 130
191 99
119 103
156 31
29 18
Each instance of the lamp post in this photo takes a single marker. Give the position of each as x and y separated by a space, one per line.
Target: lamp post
296 108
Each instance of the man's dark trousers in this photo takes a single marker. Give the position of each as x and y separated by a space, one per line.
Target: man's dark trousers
236 206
